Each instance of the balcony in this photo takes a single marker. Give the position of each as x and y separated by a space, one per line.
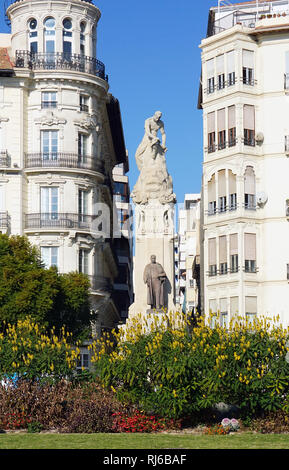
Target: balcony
63 160
60 61
100 283
4 220
60 221
4 159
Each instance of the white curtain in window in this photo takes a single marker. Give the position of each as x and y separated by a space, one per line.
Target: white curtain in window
249 181
220 64
234 244
221 119
211 124
212 189
232 182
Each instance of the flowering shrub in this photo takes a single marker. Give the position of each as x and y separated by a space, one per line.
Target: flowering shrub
28 350
177 370
139 422
217 429
14 420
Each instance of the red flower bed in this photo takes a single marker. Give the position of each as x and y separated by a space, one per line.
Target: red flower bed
18 420
140 422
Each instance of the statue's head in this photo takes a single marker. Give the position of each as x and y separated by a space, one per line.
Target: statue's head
153 259
157 115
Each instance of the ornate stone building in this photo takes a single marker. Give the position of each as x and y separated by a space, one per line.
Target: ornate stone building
244 98
60 137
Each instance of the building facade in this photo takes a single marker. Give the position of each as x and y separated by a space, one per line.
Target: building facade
186 250
123 285
60 137
244 98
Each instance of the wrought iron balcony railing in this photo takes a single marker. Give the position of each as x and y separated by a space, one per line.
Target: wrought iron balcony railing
4 219
63 160
60 61
4 159
57 220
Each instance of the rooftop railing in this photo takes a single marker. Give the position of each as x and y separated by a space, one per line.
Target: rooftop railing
63 160
60 61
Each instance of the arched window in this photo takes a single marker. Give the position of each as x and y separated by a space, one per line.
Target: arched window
49 35
82 37
33 36
67 38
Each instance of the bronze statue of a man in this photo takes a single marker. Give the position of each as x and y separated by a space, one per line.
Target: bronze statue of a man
154 277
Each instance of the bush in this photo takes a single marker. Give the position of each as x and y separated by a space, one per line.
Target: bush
177 371
277 422
27 350
65 406
139 422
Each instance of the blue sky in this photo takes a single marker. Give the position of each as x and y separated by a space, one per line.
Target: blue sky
150 49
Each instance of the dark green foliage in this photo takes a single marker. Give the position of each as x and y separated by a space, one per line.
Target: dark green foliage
28 289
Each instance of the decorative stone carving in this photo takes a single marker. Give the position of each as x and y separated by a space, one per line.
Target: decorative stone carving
89 123
154 182
49 119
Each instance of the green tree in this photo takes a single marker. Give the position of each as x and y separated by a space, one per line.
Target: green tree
28 289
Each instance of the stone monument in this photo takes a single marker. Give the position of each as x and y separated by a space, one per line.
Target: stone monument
154 201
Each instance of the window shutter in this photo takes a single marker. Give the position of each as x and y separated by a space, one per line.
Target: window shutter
232 183
222 183
250 304
223 249
223 306
231 62
221 119
211 122
231 117
213 305
249 117
234 305
210 68
220 65
248 59
234 244
249 181
250 246
212 252
212 189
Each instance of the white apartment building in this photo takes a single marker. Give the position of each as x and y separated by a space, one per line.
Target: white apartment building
60 137
245 194
186 248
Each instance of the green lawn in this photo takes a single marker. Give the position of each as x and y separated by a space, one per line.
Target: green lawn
244 440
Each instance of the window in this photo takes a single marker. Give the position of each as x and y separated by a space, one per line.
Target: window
234 261
49 256
250 252
83 103
223 255
251 308
121 191
211 132
222 204
249 189
233 202
286 143
220 66
82 37
222 190
234 306
82 201
221 128
231 68
249 125
248 67
83 362
212 196
212 208
67 38
83 261
49 36
48 99
123 217
232 126
210 76
33 36
288 272
212 257
49 203
49 145
223 313
82 146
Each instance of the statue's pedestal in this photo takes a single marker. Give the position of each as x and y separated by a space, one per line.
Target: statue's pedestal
154 236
